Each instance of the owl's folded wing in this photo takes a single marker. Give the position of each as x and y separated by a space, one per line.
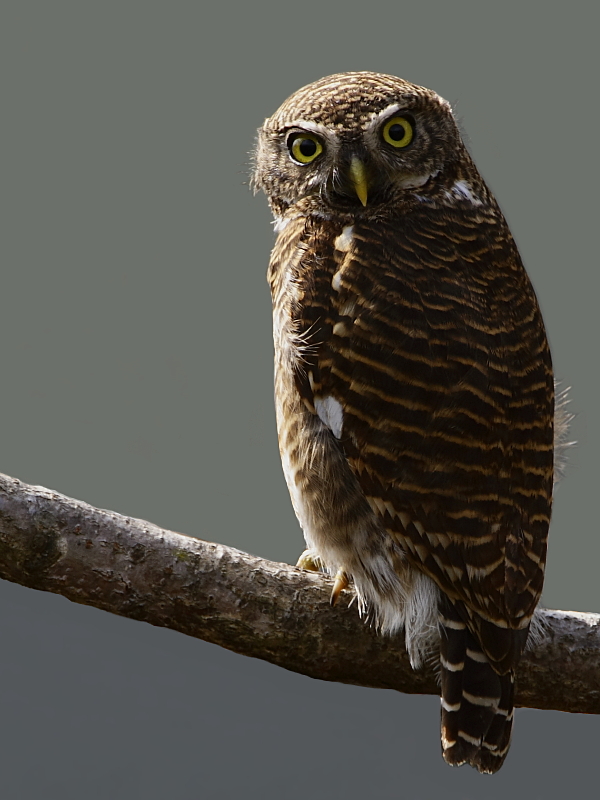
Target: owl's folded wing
425 355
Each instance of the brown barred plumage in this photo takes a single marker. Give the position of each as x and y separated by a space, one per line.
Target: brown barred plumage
413 385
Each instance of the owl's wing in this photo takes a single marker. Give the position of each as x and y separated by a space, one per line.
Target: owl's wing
427 333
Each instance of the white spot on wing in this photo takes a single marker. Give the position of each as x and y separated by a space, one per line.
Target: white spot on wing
336 281
344 240
280 224
330 412
462 191
340 329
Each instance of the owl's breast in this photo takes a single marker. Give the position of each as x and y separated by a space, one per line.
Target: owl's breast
326 496
413 375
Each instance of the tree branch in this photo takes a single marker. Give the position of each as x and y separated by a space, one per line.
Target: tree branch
247 604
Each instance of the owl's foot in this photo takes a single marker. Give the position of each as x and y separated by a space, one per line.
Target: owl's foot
311 561
341 583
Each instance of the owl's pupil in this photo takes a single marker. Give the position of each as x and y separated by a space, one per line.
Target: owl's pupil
307 147
396 132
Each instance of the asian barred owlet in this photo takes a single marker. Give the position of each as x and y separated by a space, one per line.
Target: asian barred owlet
413 385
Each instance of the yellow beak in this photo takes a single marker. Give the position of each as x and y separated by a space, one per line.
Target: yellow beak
358 176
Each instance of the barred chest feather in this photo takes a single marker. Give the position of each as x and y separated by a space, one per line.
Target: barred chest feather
337 518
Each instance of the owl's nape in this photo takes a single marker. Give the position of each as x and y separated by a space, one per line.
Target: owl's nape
413 384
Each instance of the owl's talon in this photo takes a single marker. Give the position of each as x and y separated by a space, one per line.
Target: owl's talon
310 561
341 583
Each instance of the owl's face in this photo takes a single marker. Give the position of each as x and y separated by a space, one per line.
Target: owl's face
356 142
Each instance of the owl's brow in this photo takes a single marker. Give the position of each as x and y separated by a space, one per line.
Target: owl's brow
310 125
389 111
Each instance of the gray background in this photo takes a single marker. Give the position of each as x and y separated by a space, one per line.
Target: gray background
136 370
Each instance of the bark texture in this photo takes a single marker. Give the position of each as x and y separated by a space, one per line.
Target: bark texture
247 604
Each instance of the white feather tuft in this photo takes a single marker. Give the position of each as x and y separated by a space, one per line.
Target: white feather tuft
562 422
331 414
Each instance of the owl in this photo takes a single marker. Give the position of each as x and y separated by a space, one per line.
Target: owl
413 385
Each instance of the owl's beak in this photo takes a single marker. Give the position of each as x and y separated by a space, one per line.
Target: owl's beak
358 176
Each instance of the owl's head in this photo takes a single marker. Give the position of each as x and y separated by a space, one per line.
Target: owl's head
357 142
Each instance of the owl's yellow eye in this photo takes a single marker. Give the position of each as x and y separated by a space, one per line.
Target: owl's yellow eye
398 132
304 147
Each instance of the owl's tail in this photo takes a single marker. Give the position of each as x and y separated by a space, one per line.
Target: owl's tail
477 702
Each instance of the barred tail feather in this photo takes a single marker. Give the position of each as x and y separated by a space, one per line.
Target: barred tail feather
497 740
477 702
